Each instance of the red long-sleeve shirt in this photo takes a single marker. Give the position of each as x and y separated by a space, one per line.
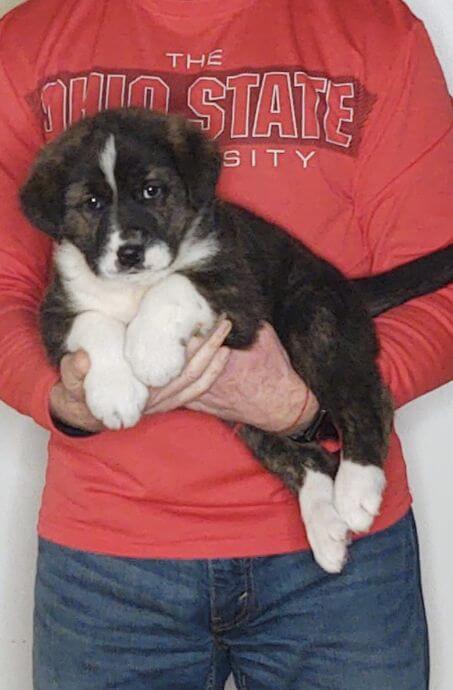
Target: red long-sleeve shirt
335 122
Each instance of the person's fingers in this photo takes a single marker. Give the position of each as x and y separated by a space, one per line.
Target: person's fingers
196 388
201 357
214 339
194 345
73 369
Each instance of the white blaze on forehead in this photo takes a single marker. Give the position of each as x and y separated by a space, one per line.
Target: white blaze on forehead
107 161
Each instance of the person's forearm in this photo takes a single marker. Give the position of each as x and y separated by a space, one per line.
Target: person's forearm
417 346
26 377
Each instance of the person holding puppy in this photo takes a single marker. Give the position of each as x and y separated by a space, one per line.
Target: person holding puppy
168 556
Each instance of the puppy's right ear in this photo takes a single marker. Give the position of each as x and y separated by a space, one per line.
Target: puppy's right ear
43 195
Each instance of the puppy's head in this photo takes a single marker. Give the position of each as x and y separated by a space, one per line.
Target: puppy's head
125 187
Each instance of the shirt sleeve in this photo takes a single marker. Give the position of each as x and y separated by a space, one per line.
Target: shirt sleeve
404 203
26 377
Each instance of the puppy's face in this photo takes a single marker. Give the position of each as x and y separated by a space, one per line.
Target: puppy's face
125 187
126 207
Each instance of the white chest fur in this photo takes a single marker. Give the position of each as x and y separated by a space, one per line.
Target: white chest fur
120 297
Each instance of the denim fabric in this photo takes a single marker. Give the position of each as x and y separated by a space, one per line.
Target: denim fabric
277 622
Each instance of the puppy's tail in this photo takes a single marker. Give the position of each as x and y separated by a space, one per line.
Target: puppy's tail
419 277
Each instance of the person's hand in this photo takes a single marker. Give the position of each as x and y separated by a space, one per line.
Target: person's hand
67 397
257 386
260 387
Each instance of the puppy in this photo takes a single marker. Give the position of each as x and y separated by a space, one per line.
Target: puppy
146 255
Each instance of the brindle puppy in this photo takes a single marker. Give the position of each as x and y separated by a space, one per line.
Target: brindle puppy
146 254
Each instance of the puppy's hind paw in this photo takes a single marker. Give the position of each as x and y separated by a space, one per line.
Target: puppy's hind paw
358 494
327 533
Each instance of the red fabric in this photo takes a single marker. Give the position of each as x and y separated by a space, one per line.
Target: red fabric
335 121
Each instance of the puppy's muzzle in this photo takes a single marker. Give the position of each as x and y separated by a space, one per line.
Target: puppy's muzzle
130 255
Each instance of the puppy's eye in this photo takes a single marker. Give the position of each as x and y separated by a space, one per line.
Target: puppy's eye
152 191
93 203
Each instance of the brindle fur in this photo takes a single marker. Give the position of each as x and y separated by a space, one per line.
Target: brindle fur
260 273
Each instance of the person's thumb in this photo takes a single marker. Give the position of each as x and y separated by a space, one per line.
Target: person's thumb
73 369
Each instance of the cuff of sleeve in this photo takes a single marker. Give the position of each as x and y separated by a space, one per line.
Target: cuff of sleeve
69 430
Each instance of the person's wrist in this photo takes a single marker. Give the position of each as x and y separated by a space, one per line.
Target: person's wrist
302 414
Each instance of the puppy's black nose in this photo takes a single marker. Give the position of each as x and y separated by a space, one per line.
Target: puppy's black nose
130 255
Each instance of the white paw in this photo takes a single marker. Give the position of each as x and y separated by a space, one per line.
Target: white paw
358 494
327 533
115 396
155 358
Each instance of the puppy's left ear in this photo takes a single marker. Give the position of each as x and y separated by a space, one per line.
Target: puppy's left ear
197 159
43 195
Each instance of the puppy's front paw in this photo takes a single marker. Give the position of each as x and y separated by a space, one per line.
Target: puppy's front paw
358 494
327 533
115 396
328 537
155 358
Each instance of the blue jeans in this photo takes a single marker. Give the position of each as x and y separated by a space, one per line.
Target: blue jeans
276 622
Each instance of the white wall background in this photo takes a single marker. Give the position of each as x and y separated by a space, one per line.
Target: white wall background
425 427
